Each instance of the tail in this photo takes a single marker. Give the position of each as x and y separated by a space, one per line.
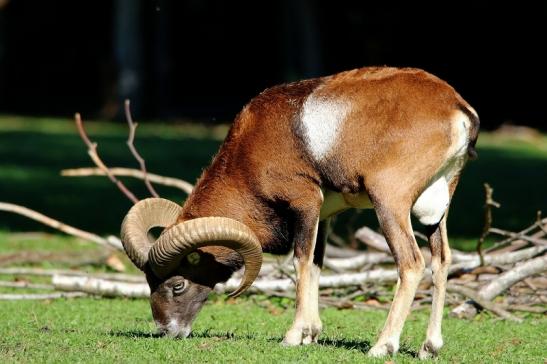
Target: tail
473 131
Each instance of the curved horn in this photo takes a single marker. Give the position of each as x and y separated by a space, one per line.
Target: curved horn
143 216
183 238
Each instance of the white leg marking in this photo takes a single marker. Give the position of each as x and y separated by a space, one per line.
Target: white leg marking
321 119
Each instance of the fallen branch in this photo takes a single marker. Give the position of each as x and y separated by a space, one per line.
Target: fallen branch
357 261
129 172
541 223
40 296
514 275
52 272
327 281
99 286
469 293
92 151
499 259
131 145
25 285
520 236
372 239
378 242
67 229
503 282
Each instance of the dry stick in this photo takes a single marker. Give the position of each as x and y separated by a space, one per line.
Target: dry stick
378 242
92 151
499 259
25 285
512 276
74 273
469 293
99 286
40 296
513 235
506 280
357 261
326 281
523 308
103 285
541 224
34 215
489 202
130 140
130 172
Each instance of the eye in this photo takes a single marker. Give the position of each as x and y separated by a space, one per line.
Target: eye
178 288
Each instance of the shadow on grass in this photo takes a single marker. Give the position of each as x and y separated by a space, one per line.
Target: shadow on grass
136 334
363 346
348 344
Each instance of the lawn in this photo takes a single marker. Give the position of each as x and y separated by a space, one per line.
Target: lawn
102 330
249 329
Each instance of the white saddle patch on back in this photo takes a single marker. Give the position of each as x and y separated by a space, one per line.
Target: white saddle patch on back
430 207
321 119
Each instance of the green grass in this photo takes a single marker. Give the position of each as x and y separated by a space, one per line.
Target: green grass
90 330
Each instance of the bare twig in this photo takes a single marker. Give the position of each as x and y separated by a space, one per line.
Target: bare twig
129 172
489 203
34 215
515 236
541 224
92 151
131 145
469 293
40 296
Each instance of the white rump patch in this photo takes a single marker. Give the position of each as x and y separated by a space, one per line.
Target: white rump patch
322 118
460 135
432 203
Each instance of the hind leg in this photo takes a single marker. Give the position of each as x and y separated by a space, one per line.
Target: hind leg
394 218
440 262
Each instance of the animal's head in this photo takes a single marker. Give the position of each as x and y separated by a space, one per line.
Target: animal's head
181 276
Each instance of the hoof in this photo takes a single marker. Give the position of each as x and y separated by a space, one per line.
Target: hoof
380 350
429 350
302 335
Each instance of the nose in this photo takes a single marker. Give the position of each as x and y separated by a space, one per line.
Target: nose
174 329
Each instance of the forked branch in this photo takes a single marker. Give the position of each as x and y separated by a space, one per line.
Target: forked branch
131 145
92 151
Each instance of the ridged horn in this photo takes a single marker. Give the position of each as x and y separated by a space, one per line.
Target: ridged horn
183 238
143 216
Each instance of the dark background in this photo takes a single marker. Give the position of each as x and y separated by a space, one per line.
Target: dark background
205 59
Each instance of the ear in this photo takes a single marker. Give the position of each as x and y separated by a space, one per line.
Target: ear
193 258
